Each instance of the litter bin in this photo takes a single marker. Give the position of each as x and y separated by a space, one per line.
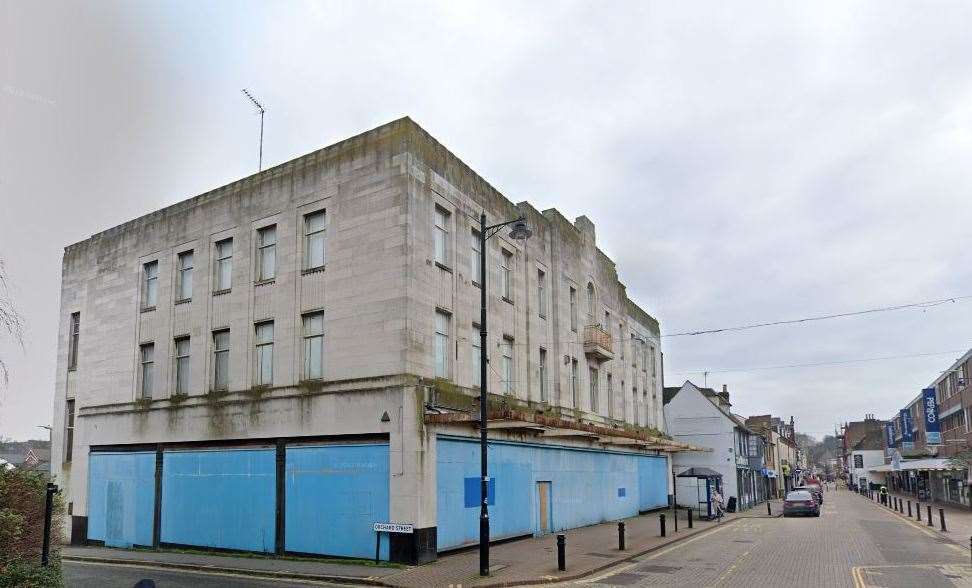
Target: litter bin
731 505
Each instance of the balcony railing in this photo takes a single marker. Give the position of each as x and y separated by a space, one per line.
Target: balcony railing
598 343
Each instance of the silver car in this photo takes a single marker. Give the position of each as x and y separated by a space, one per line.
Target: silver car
801 502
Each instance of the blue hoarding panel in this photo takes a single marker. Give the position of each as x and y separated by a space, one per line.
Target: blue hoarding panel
583 487
474 492
220 498
652 482
121 498
335 494
929 405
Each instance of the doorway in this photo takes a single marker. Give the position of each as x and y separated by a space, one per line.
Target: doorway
544 509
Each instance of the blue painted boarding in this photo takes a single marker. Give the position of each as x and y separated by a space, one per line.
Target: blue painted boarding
220 498
335 494
121 498
586 487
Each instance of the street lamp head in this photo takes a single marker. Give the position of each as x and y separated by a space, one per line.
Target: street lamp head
521 230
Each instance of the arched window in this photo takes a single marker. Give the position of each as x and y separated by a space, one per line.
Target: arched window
591 305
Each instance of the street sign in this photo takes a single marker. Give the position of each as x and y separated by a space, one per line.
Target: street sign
393 528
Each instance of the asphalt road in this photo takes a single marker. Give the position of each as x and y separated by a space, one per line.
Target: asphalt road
854 544
95 575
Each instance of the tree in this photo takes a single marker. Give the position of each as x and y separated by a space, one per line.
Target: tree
11 322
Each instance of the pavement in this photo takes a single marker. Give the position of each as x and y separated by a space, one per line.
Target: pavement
525 561
958 520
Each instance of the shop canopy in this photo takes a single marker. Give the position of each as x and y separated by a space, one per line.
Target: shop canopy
699 473
938 464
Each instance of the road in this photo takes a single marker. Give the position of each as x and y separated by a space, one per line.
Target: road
96 575
854 543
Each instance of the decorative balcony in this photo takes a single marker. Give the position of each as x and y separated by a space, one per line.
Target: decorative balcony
598 343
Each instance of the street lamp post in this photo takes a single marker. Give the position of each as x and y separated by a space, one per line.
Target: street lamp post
520 231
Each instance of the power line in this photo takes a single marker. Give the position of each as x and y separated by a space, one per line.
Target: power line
818 364
924 304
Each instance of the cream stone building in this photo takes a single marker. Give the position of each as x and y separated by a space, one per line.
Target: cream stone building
279 363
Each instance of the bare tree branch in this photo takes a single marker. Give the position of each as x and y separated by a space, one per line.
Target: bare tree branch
11 321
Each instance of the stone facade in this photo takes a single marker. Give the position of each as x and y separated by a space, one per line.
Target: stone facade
379 289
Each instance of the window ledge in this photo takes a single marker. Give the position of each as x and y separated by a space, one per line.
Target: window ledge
507 300
443 267
265 282
221 292
73 369
182 301
476 284
148 309
312 270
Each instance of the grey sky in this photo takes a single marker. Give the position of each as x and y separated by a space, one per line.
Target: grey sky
743 162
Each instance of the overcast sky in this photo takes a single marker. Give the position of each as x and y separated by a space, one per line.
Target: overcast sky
742 162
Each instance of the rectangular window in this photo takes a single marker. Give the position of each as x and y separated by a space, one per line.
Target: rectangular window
150 276
506 347
224 265
221 347
182 366
441 344
651 356
477 357
184 287
314 240
541 293
314 346
75 334
267 253
476 263
440 236
543 375
263 337
68 429
147 352
573 310
624 405
506 275
610 396
574 394
593 387
634 405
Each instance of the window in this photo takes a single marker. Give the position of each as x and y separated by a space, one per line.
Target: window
607 321
477 357
593 391
634 405
441 344
314 346
147 376
506 275
221 346
624 406
267 253
591 304
75 333
314 240
224 265
263 338
610 391
574 395
651 356
440 236
182 366
573 310
184 286
541 293
543 374
68 429
150 275
644 357
506 347
621 341
476 263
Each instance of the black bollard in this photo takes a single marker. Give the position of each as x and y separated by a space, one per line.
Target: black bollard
769 508
620 535
901 506
675 518
561 553
918 511
690 518
931 523
661 523
909 509
941 519
48 510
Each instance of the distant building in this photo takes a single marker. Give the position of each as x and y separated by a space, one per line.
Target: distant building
781 451
32 455
866 453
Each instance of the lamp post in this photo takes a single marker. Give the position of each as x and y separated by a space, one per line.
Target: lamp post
520 232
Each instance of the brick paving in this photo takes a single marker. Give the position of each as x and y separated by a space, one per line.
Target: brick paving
958 519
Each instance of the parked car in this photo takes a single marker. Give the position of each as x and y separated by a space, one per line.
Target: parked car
814 489
801 502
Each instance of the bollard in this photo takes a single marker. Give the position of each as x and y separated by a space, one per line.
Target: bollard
561 553
48 508
620 535
675 519
661 523
931 523
918 511
901 506
769 508
895 504
909 509
690 518
941 519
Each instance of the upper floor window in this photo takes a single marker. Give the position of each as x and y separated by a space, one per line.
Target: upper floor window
224 265
314 346
591 304
147 376
440 236
263 365
593 385
75 334
68 429
267 253
506 349
314 240
441 344
150 285
184 286
541 293
476 263
506 275
182 366
573 309
542 375
610 395
574 384
477 356
221 348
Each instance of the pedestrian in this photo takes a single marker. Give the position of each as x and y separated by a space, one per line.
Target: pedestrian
717 502
884 495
